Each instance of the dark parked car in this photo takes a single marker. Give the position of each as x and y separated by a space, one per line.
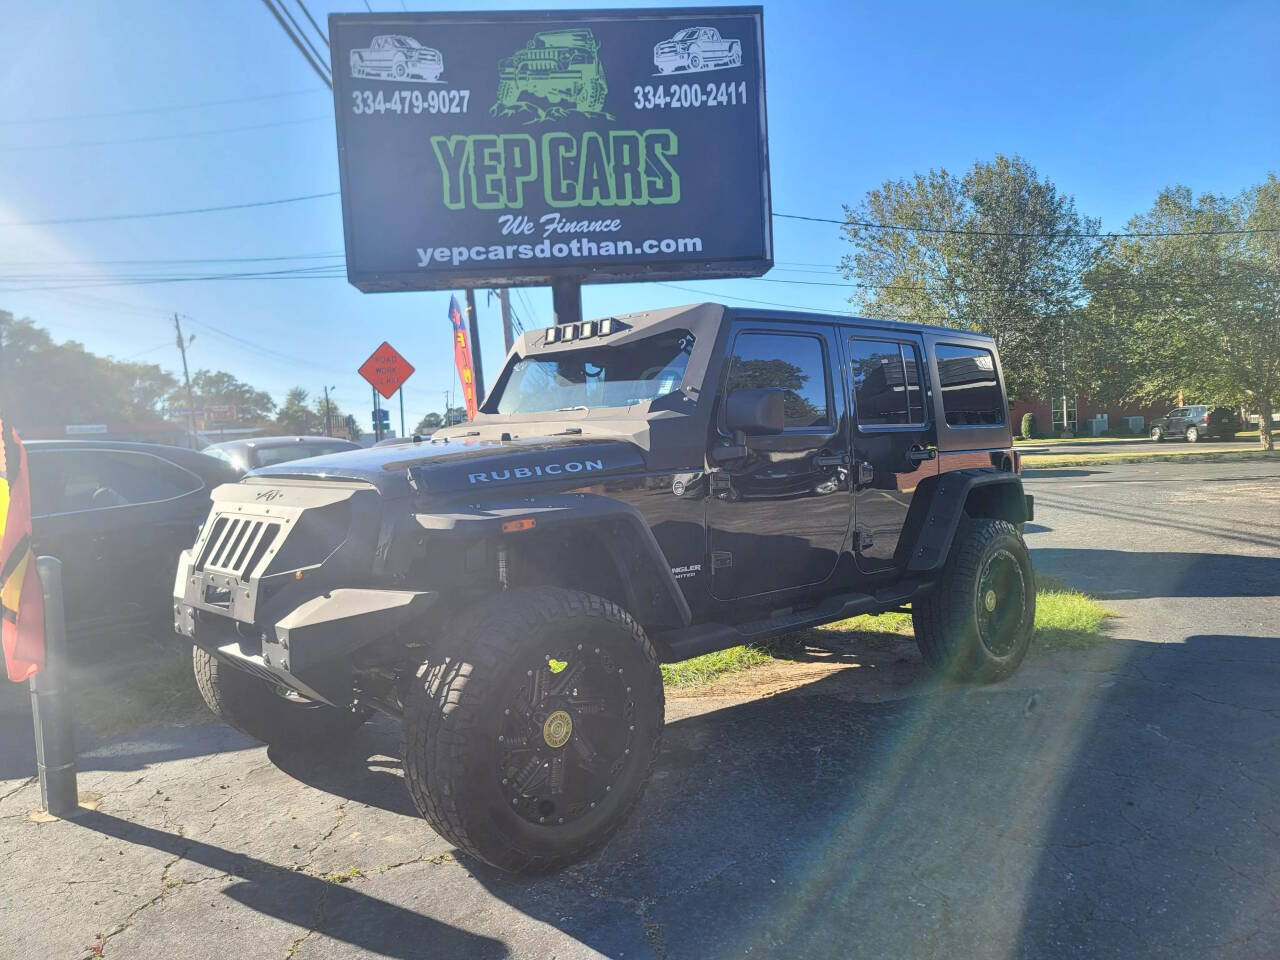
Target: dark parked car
245 455
1196 423
117 515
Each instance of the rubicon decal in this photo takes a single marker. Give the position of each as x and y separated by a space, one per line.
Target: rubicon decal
539 470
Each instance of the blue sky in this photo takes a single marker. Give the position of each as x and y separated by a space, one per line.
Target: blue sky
1112 101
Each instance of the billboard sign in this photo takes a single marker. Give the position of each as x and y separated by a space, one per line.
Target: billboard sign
506 148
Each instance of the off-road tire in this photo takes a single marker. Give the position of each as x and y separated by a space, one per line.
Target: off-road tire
1193 434
947 621
454 712
252 706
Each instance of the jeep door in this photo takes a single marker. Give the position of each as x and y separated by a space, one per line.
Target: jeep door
777 517
895 439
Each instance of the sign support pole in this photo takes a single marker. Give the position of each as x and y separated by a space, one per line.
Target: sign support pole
51 702
566 300
377 420
402 412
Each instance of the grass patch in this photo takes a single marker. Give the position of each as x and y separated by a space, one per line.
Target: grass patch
1065 619
703 669
1050 461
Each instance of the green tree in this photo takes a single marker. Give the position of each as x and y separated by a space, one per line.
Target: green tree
999 250
429 423
1197 313
296 416
219 388
49 384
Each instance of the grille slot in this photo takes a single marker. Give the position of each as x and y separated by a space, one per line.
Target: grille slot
237 544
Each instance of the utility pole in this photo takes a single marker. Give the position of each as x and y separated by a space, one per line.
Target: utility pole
327 422
445 419
473 331
504 303
186 376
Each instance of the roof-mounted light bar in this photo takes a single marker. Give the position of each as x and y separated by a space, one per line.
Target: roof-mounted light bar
586 330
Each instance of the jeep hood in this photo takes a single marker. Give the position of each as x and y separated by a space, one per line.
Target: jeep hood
471 464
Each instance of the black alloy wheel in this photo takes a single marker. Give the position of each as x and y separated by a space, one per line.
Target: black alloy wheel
531 731
567 730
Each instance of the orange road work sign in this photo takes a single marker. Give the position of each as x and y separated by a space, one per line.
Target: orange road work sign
21 598
386 370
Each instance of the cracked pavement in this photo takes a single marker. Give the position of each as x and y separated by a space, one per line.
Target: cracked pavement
1120 802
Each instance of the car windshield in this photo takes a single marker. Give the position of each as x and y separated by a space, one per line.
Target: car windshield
405 42
686 34
601 375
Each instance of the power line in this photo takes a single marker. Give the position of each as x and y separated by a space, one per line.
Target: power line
313 62
1052 234
166 136
83 263
168 109
726 296
307 13
168 213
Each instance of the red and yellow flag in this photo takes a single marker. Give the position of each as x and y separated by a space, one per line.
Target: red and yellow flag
462 357
21 598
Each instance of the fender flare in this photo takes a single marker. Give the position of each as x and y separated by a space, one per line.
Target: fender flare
652 595
931 529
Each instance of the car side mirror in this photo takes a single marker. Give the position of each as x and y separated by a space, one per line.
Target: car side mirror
750 413
755 413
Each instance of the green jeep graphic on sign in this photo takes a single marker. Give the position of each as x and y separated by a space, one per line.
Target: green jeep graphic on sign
559 68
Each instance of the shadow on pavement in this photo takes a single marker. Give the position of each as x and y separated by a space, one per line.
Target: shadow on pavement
1136 785
298 898
1160 574
365 768
1162 839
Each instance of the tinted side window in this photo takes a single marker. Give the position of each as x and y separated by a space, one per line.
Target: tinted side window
886 382
970 389
77 480
791 362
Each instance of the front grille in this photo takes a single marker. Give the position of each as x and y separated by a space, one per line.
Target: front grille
236 544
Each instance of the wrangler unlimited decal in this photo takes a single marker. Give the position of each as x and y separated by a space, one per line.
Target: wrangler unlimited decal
543 470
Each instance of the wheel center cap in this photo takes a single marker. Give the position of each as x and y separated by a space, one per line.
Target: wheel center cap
989 601
557 729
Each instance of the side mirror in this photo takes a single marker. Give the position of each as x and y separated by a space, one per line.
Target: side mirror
755 412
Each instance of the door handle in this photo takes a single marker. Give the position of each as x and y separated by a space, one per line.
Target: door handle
917 454
825 458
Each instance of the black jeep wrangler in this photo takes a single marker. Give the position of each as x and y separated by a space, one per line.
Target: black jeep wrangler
638 489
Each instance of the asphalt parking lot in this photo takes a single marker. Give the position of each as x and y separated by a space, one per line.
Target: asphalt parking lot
1117 802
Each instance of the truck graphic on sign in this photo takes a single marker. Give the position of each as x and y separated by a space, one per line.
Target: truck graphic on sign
696 49
559 68
396 57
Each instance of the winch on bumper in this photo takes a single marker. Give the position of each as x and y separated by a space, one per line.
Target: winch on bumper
260 587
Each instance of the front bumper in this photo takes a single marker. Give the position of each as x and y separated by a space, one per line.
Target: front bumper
266 585
670 59
308 649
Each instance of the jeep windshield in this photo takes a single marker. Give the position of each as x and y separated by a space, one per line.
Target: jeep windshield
601 375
